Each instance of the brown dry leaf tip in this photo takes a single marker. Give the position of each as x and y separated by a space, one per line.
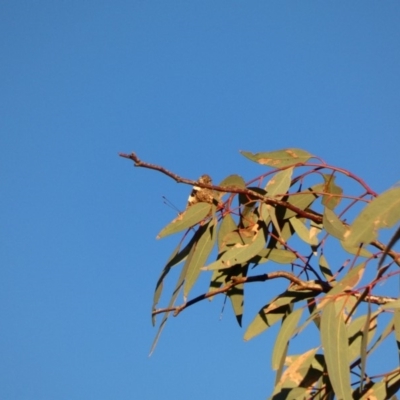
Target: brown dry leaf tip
201 195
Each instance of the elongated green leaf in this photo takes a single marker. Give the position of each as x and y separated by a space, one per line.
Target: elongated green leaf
355 250
239 254
279 158
279 184
334 342
275 311
288 326
382 212
356 334
236 294
171 303
333 225
303 232
279 256
324 267
201 252
227 225
263 321
189 218
303 200
376 392
364 344
396 317
332 199
176 257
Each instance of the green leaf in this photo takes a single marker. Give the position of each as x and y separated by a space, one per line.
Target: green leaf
332 199
279 158
236 293
303 232
279 256
333 225
275 311
279 184
288 326
334 342
201 251
233 181
176 257
226 226
239 253
396 317
382 212
324 267
189 218
303 200
355 334
355 250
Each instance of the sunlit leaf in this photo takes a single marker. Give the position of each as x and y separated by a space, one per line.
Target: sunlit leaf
202 249
279 256
189 218
236 293
239 253
233 181
226 226
361 252
381 212
324 267
279 184
333 225
334 342
285 333
332 199
303 201
275 311
303 232
279 158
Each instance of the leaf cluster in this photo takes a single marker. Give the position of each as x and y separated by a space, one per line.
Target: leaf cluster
286 220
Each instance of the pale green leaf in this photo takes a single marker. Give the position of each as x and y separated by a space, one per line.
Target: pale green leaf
233 181
279 158
285 333
279 184
324 267
355 250
239 253
303 200
332 199
333 225
279 256
187 219
202 249
381 212
303 232
334 342
227 225
396 317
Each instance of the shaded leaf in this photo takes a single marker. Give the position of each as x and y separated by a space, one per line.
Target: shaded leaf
355 250
381 212
324 267
187 219
279 158
334 342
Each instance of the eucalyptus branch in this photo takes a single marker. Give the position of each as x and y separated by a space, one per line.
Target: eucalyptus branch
298 284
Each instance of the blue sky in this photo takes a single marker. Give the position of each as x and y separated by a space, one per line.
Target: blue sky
185 84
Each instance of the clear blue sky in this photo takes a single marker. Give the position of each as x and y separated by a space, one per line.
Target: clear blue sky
185 84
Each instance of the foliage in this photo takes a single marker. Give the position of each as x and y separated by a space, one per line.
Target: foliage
289 218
